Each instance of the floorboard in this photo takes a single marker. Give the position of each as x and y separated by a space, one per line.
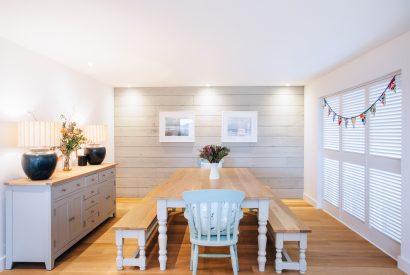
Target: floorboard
333 249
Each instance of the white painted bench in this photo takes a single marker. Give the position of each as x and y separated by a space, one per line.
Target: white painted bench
139 223
283 225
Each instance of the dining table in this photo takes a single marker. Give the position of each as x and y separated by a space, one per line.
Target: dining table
257 196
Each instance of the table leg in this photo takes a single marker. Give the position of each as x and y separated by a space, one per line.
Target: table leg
263 214
162 215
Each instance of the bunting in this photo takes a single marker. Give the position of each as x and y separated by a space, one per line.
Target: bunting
362 116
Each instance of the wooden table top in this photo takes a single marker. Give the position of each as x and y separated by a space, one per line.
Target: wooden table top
59 177
186 179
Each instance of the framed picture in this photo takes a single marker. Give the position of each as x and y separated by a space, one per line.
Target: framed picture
240 126
177 126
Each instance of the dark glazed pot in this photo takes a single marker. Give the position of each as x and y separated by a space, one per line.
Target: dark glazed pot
39 165
95 154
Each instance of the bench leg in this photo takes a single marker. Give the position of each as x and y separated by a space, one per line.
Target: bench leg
119 241
162 215
141 245
279 248
302 255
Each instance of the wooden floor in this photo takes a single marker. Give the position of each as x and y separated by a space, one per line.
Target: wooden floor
332 249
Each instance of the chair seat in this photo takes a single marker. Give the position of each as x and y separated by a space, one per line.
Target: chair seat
213 241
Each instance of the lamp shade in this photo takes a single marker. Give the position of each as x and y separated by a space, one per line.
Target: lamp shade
95 134
39 134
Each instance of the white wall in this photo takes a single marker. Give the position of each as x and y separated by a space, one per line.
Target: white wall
385 59
30 82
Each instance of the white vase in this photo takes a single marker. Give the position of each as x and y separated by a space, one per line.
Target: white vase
214 175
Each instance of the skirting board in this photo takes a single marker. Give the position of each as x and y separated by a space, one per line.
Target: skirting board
2 262
404 264
309 199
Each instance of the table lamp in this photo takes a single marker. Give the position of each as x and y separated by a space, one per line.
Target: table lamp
41 137
94 149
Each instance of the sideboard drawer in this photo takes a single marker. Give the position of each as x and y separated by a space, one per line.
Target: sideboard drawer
91 211
91 201
90 191
67 188
107 174
91 221
91 179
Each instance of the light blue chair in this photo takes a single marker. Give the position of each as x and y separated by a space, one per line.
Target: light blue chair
213 217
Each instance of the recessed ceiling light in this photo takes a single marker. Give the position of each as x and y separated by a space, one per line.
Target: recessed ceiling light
208 85
128 86
90 64
287 84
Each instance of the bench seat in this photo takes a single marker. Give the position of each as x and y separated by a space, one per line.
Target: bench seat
283 225
138 223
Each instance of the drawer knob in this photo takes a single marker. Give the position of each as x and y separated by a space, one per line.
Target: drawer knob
78 185
92 201
71 219
63 190
107 197
92 191
92 211
93 179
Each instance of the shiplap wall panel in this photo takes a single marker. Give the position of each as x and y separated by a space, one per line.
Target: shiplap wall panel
276 159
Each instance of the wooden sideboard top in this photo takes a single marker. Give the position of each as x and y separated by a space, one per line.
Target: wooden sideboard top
63 176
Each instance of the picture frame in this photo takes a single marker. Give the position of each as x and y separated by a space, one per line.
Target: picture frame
239 126
177 126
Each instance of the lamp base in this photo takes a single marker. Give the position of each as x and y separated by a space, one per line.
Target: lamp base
95 154
39 165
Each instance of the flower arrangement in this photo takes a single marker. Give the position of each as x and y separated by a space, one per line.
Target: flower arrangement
71 140
213 153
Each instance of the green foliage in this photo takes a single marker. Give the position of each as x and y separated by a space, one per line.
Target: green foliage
71 136
213 153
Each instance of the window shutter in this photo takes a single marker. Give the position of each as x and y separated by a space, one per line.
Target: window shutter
353 178
330 128
385 203
385 126
331 181
353 138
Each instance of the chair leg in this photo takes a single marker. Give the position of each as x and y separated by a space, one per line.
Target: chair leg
237 258
195 260
192 256
234 260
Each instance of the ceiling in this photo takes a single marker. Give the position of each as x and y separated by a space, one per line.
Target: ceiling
191 43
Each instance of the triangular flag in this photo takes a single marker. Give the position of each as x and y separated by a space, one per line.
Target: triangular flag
346 122
383 98
363 118
354 122
334 116
324 103
329 111
392 85
339 120
373 109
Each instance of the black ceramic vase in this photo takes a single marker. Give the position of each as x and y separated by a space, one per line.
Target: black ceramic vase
39 165
95 154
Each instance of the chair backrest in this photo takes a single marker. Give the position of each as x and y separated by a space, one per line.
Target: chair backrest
213 213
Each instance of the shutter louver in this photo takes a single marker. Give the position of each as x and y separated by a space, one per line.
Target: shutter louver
330 128
385 203
385 126
353 138
353 185
331 181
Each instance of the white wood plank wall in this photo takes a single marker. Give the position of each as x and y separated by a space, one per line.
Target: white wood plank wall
277 157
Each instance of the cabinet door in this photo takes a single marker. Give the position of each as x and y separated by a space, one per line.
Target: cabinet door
106 198
60 224
75 215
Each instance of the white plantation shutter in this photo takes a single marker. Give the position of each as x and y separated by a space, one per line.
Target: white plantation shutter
385 126
331 181
353 185
330 129
361 179
353 138
385 203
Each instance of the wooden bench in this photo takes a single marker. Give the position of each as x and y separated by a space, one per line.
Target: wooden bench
283 225
139 223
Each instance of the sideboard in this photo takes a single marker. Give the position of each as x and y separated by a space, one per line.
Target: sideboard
45 218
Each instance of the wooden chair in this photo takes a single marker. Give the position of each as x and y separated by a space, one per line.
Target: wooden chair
213 217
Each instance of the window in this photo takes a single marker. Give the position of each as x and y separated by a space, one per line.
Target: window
361 164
